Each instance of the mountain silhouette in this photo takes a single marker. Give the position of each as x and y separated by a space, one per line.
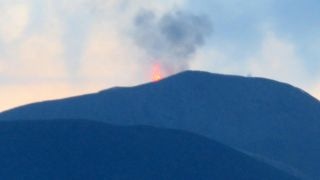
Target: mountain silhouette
79 149
262 117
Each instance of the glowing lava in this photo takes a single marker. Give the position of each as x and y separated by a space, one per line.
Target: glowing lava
157 73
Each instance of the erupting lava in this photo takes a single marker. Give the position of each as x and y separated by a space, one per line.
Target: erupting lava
157 73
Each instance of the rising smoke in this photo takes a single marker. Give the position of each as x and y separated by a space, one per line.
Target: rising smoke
171 39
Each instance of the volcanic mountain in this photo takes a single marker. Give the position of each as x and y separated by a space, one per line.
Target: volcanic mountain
262 117
78 149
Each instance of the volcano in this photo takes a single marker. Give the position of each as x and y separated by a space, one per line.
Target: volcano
267 119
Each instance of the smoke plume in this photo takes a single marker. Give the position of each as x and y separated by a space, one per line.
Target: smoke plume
171 39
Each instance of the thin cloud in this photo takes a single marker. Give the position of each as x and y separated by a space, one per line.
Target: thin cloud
14 19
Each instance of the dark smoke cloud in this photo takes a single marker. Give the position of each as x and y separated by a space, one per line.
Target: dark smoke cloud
171 39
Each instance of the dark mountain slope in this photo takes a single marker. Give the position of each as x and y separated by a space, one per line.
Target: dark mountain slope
91 150
265 117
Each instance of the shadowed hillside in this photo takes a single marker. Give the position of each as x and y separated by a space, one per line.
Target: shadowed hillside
80 149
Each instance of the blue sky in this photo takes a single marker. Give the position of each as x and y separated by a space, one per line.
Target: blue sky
57 48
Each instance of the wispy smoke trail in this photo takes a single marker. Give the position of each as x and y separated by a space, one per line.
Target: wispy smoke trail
171 39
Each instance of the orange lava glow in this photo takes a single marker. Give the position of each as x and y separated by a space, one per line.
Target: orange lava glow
157 73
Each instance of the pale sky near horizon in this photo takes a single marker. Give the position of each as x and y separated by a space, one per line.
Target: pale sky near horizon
57 48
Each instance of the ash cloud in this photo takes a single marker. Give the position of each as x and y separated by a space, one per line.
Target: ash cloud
171 39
